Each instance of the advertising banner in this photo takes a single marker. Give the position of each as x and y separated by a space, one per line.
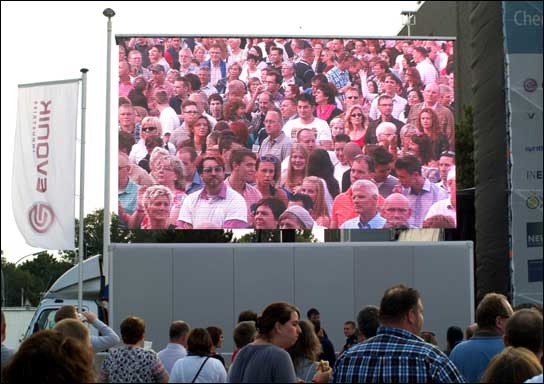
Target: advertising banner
43 188
523 48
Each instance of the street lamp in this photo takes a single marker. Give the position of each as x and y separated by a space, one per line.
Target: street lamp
408 19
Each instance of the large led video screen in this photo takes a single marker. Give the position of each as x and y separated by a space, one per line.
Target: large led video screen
285 133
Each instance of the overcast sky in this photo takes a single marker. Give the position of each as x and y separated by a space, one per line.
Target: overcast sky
46 41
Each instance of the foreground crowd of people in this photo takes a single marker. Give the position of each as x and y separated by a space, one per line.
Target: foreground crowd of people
286 133
386 345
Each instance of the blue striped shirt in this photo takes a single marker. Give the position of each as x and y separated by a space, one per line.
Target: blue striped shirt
395 355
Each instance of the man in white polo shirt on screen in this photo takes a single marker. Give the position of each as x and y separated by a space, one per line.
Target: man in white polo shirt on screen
217 205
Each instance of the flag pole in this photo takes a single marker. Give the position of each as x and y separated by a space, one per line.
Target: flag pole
81 250
109 13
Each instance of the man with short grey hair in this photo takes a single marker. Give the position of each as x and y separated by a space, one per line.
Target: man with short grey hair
365 200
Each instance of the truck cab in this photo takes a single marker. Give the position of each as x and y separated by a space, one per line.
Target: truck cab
64 291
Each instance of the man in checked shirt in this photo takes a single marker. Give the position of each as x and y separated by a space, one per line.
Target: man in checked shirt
396 353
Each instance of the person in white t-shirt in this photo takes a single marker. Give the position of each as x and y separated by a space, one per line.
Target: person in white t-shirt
305 109
169 118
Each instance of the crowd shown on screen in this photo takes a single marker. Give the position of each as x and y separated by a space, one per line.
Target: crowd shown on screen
386 343
224 132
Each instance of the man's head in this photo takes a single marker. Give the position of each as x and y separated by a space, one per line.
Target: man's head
181 87
288 70
188 155
349 328
389 85
247 315
155 53
340 142
385 104
126 118
212 171
179 331
445 162
493 312
215 54
265 102
242 163
306 137
408 170
367 321
273 123
273 82
352 97
305 106
158 73
364 194
362 168
190 112
396 210
313 314
454 336
420 54
288 108
74 328
244 333
431 94
135 58
524 329
66 312
275 55
401 307
383 161
204 75
386 133
185 56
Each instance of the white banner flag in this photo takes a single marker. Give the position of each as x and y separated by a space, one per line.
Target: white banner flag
43 187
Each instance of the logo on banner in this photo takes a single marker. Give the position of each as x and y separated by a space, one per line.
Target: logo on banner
534 201
530 85
41 217
534 235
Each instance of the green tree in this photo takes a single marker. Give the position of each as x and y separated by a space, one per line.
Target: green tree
32 278
93 234
45 270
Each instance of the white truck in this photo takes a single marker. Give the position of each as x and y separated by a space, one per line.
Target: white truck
210 284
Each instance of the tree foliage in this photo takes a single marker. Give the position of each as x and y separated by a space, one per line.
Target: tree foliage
31 279
464 152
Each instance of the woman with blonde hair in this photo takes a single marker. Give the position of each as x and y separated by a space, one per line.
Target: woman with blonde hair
157 201
313 187
355 125
169 171
297 168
